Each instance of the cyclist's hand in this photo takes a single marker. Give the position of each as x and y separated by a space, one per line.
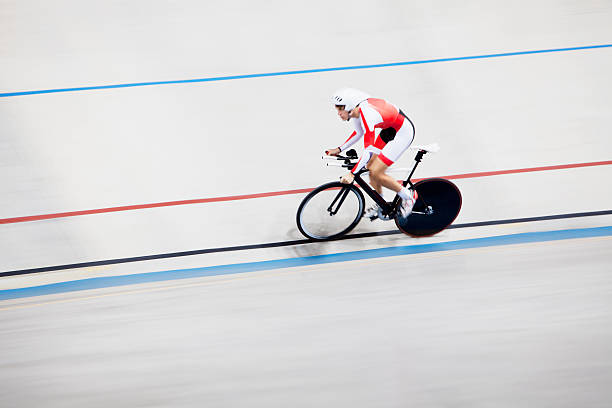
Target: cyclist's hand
333 152
347 178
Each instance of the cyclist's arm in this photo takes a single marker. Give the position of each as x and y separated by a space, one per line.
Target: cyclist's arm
354 137
368 118
363 160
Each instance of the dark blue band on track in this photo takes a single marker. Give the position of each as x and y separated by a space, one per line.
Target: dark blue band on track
113 281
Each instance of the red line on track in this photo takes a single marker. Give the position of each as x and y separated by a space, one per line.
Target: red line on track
275 193
527 170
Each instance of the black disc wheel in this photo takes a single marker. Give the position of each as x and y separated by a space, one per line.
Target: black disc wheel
436 208
330 211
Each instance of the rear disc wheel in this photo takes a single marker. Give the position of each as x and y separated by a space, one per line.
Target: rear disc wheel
436 208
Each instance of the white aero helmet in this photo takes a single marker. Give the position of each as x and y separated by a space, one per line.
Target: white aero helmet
349 97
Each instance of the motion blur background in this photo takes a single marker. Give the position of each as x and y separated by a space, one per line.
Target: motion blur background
527 324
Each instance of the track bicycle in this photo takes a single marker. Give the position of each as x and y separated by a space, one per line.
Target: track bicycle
334 209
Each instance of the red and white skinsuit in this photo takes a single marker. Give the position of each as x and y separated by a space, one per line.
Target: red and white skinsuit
378 113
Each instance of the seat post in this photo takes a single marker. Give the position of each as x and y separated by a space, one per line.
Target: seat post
417 159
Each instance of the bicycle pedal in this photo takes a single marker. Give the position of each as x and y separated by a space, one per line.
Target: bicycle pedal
370 217
383 217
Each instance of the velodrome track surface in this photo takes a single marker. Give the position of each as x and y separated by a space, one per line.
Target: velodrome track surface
153 157
505 326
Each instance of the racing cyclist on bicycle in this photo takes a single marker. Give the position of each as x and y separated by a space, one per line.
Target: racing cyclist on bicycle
396 135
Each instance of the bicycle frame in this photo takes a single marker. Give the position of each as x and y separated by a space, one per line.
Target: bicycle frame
387 208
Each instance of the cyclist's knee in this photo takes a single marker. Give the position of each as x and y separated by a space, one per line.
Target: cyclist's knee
375 173
377 168
372 161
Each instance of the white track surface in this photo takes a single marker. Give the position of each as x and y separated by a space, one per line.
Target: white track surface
524 325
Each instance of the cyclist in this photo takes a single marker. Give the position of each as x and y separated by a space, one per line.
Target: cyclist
397 132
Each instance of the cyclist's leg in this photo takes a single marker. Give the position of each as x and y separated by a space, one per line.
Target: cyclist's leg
396 147
375 148
373 180
390 153
379 177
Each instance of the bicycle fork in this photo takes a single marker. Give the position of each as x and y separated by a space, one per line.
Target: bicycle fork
342 196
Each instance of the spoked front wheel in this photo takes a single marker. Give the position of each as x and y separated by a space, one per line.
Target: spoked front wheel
330 211
436 208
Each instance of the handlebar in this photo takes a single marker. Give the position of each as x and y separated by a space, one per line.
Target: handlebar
348 158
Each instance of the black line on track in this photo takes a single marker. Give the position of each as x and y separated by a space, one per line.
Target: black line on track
286 243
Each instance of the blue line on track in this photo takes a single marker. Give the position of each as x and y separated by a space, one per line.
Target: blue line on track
306 71
112 281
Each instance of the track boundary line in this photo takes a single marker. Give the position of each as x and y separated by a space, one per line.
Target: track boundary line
285 244
232 269
301 72
41 217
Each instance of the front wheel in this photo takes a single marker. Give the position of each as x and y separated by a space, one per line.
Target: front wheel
436 208
330 211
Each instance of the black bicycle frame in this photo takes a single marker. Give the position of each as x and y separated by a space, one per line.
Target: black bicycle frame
387 208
